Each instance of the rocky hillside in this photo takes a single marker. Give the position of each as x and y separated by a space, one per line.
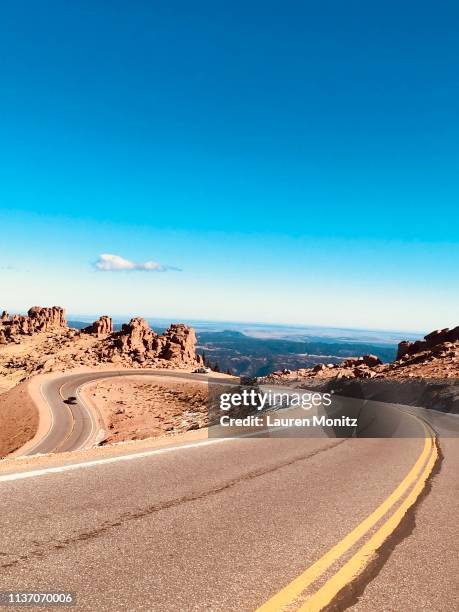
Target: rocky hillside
434 357
41 342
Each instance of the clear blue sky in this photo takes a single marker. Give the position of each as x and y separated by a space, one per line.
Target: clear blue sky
298 161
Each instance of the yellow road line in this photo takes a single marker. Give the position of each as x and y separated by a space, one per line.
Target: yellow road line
355 566
72 419
293 590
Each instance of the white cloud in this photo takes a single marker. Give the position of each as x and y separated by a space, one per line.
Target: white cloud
115 263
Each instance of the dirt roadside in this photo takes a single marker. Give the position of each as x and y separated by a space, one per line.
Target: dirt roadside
138 407
19 417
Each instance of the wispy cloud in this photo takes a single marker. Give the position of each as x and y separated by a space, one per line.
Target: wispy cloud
10 268
114 263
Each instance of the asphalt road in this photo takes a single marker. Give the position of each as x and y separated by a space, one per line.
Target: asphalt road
218 525
73 424
241 524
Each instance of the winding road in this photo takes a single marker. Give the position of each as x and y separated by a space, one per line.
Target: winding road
229 524
73 424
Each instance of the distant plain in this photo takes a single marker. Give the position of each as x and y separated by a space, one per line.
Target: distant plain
256 349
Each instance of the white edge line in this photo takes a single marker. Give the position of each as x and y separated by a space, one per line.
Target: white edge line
29 452
77 466
92 417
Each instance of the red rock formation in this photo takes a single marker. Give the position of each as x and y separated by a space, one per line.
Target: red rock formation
42 319
136 338
439 336
366 360
37 319
136 344
100 328
180 344
138 341
436 356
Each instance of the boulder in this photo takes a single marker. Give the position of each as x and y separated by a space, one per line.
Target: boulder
371 360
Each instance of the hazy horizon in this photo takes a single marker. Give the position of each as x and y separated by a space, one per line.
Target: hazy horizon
121 318
254 328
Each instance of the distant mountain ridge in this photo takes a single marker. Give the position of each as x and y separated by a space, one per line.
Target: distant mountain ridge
436 356
242 354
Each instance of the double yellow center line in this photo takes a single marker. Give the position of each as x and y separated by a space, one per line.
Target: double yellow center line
414 482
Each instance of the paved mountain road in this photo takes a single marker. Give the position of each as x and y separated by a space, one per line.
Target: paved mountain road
218 525
236 524
74 425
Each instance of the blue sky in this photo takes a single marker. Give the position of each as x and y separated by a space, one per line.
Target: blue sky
298 161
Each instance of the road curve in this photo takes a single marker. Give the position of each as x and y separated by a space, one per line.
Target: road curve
222 524
229 524
73 425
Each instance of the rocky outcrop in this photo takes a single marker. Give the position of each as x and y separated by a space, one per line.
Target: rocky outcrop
436 356
439 336
62 347
37 320
100 328
179 344
136 339
367 360
46 318
140 343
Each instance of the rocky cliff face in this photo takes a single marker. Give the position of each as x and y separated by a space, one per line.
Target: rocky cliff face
37 320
